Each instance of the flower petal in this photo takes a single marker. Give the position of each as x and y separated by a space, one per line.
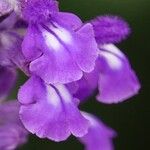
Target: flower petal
56 68
86 54
78 125
86 86
117 80
50 112
56 64
71 20
99 136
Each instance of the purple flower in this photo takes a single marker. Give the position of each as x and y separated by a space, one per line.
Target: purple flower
117 80
99 136
60 51
49 111
113 74
110 29
12 133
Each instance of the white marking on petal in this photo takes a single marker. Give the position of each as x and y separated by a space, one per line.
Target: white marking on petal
113 61
52 96
63 34
51 40
113 49
64 93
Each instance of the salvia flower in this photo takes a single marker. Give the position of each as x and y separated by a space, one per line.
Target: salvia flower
117 80
66 60
57 51
113 74
49 111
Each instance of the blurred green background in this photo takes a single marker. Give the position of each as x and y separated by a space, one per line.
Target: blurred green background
131 118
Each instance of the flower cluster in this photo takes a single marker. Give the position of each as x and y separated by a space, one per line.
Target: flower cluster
66 60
